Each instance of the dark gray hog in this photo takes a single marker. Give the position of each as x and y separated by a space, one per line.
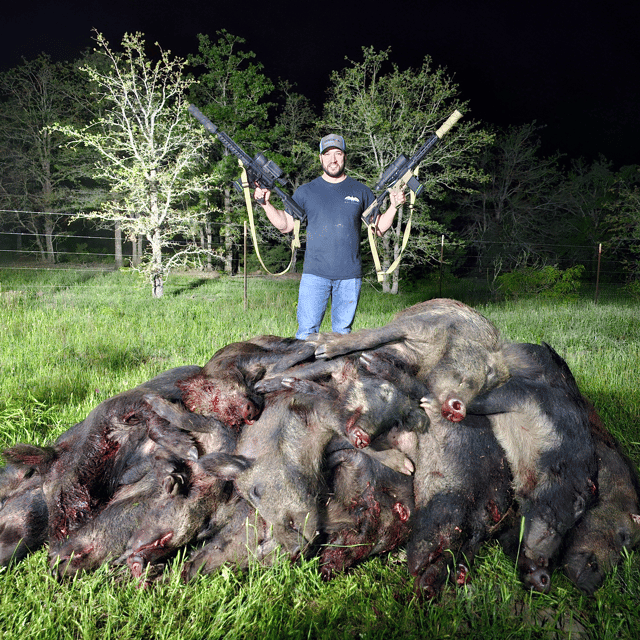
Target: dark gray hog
366 403
367 513
104 538
24 518
285 448
243 539
462 492
541 421
451 348
595 546
223 388
115 444
178 518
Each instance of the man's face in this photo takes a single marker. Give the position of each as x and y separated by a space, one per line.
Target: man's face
333 162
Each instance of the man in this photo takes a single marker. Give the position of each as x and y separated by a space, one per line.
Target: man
333 204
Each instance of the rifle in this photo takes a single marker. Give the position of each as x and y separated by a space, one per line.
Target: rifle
265 173
400 172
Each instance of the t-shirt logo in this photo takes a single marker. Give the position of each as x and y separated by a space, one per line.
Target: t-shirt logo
352 199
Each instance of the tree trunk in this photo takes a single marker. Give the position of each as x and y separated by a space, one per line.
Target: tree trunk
157 276
209 233
136 251
391 246
228 233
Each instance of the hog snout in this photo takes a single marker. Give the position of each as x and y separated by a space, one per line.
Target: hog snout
249 411
537 578
453 409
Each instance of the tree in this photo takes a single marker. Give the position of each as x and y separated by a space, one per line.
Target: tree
383 111
231 92
40 180
588 194
622 222
511 214
149 151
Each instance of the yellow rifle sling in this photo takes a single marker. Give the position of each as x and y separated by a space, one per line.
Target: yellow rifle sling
295 243
372 233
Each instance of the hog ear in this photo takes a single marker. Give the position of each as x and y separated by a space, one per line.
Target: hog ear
224 465
27 455
636 518
255 373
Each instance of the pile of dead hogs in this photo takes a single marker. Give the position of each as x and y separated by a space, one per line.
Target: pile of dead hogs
428 433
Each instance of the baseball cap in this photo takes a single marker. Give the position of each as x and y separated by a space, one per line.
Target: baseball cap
332 141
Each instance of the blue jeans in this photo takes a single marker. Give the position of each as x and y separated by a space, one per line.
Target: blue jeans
313 297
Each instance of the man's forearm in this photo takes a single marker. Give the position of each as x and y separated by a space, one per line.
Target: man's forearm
386 219
280 219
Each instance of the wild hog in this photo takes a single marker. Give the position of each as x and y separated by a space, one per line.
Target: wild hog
462 482
242 537
179 517
284 479
366 402
23 513
367 513
454 350
104 538
223 388
462 491
595 545
541 421
115 444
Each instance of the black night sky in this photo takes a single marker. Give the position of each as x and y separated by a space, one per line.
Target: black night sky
573 66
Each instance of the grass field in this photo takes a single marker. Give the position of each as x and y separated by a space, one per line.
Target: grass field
71 339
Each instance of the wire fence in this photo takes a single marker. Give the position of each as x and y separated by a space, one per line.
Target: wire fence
94 251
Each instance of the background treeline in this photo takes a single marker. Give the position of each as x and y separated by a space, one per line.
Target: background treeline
101 162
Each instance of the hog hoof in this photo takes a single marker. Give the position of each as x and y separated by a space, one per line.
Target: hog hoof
358 438
462 574
428 403
402 511
136 565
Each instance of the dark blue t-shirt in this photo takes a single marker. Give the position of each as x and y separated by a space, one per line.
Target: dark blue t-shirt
333 211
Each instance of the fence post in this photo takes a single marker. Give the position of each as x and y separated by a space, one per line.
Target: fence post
598 273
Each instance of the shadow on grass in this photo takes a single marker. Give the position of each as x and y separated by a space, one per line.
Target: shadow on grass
190 286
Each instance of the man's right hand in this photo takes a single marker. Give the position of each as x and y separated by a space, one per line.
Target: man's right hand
262 196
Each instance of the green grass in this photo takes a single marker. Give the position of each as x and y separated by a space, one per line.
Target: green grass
70 339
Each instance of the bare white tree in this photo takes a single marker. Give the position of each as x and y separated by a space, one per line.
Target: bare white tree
150 151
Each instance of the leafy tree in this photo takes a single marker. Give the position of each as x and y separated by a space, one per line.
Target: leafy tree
512 218
231 91
149 150
295 149
383 111
623 221
588 194
40 176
